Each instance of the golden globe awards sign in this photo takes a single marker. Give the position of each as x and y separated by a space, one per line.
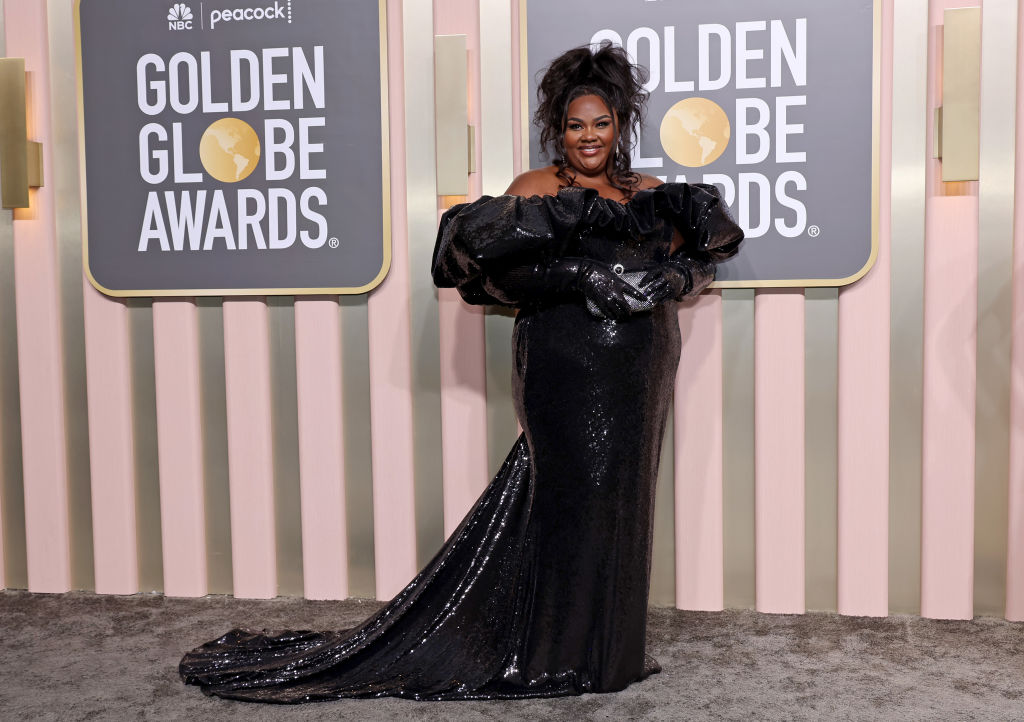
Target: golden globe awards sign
234 146
772 102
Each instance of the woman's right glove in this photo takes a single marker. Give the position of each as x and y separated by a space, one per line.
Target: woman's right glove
606 290
564 278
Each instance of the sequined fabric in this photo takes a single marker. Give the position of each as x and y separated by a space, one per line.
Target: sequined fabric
542 590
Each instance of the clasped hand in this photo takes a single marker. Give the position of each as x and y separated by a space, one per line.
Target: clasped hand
609 292
667 280
613 297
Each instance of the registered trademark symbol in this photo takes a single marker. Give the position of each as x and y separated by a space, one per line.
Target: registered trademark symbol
333 242
814 231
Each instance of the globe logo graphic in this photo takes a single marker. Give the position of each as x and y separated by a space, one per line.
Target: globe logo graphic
695 132
229 150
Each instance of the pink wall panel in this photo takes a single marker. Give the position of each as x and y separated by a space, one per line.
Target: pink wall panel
321 452
463 371
863 389
949 380
250 447
863 494
779 450
697 430
111 443
950 362
40 351
1015 540
180 446
394 514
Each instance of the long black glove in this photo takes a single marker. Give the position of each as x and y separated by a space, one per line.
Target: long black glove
678 278
562 279
710 237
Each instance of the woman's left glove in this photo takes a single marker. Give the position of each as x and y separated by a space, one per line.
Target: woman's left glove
677 278
670 279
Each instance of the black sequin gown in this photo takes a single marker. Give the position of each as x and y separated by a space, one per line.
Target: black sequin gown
542 590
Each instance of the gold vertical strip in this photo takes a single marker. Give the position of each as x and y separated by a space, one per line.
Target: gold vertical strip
663 560
998 155
385 137
821 349
147 474
497 170
213 396
355 369
12 493
285 429
502 427
421 204
910 75
738 446
63 145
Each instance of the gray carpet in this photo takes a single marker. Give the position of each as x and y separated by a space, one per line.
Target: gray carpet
88 657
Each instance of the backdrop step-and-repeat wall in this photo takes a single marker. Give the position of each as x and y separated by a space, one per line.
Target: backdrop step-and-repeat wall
857 448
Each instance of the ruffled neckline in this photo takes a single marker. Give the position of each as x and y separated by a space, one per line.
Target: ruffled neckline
680 204
592 194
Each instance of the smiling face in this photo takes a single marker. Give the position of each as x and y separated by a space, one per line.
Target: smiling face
589 136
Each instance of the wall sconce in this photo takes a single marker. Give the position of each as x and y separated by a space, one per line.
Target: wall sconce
21 160
957 129
453 135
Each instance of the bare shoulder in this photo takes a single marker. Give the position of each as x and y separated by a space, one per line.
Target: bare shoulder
648 181
539 182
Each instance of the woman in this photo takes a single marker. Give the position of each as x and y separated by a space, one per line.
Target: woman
542 590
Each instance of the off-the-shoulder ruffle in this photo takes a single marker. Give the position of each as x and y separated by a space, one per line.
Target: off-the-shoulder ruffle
505 231
687 206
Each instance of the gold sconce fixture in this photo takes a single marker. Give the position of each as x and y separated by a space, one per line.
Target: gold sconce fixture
453 135
21 160
957 130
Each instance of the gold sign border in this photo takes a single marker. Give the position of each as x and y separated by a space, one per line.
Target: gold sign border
876 145
187 292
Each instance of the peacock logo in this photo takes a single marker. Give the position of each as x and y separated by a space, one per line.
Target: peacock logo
179 17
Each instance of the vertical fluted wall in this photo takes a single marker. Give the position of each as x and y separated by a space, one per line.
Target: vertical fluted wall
860 450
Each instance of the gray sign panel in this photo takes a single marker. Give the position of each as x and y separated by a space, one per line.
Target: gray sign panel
772 102
234 146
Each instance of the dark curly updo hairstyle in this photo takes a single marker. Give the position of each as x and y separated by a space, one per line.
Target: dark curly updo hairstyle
607 73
